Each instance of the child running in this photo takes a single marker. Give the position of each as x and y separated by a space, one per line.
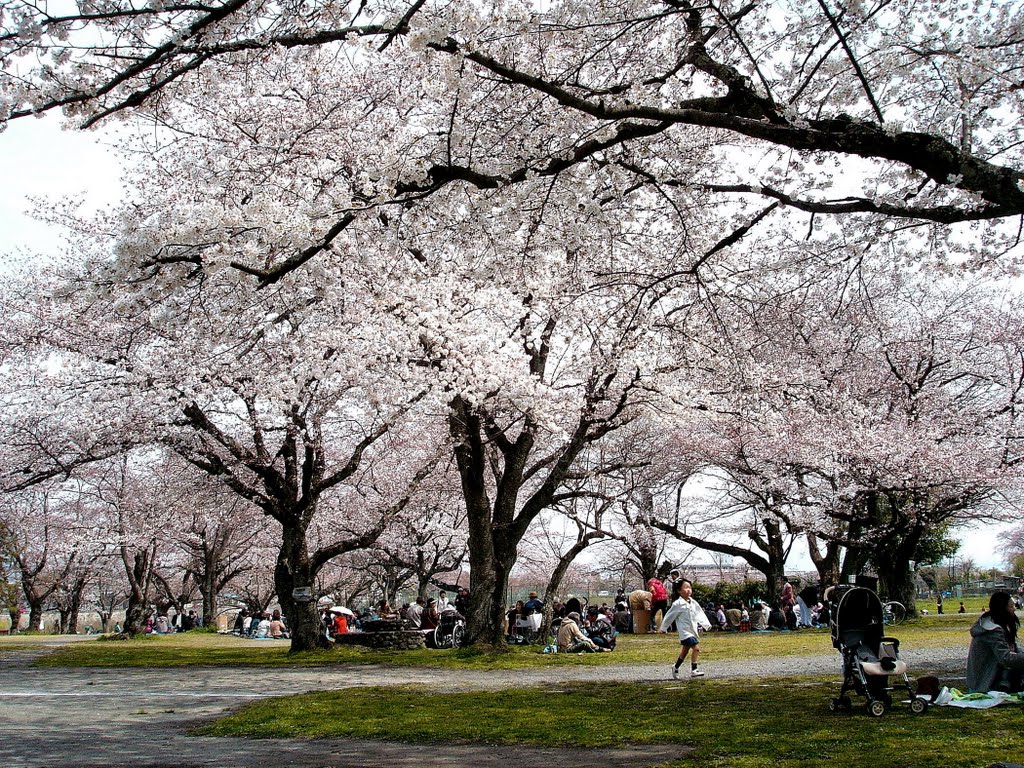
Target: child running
688 616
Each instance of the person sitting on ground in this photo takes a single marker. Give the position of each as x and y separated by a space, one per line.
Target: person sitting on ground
721 624
571 638
759 617
733 617
599 629
385 611
962 608
278 630
776 618
623 620
262 627
573 605
994 662
791 618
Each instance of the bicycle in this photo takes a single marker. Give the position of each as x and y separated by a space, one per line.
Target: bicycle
893 613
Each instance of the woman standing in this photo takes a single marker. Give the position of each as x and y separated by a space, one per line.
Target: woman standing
993 662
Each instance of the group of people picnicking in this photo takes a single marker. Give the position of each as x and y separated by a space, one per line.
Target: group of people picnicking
594 629
994 660
181 622
260 625
423 614
791 611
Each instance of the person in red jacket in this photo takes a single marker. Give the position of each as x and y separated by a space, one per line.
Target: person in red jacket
659 600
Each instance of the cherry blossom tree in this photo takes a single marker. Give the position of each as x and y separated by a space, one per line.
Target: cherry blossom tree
1013 550
268 407
136 503
425 542
537 225
217 542
880 416
42 537
804 84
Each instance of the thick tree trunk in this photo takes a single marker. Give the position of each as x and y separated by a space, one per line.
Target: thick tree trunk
294 571
486 597
35 614
896 582
895 576
135 616
140 574
208 591
423 586
491 562
75 607
826 563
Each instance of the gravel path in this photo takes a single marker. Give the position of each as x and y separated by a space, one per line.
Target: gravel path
102 717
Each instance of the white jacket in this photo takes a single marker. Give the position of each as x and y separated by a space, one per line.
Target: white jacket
688 616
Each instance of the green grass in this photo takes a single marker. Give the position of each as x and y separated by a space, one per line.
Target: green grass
952 604
768 724
202 649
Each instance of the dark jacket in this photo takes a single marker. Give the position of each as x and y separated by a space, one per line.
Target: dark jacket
990 658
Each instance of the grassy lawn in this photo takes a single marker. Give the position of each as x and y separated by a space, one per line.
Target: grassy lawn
769 724
204 649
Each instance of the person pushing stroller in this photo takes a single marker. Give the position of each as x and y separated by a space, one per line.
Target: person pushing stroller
689 618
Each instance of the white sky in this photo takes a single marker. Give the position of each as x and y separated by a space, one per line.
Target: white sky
40 160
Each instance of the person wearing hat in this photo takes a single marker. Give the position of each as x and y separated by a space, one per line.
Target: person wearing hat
571 638
533 605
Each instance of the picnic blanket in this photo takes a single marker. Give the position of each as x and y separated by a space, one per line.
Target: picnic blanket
951 697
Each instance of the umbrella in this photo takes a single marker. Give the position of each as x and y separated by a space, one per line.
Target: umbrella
340 609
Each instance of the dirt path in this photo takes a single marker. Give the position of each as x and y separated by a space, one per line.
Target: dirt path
139 717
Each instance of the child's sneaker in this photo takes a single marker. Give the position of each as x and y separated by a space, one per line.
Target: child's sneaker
675 673
696 673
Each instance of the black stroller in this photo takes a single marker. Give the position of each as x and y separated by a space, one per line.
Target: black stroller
869 658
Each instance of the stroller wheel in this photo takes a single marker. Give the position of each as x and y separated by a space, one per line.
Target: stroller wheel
875 708
833 705
918 706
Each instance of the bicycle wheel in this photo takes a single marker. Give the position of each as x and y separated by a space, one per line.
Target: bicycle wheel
893 612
